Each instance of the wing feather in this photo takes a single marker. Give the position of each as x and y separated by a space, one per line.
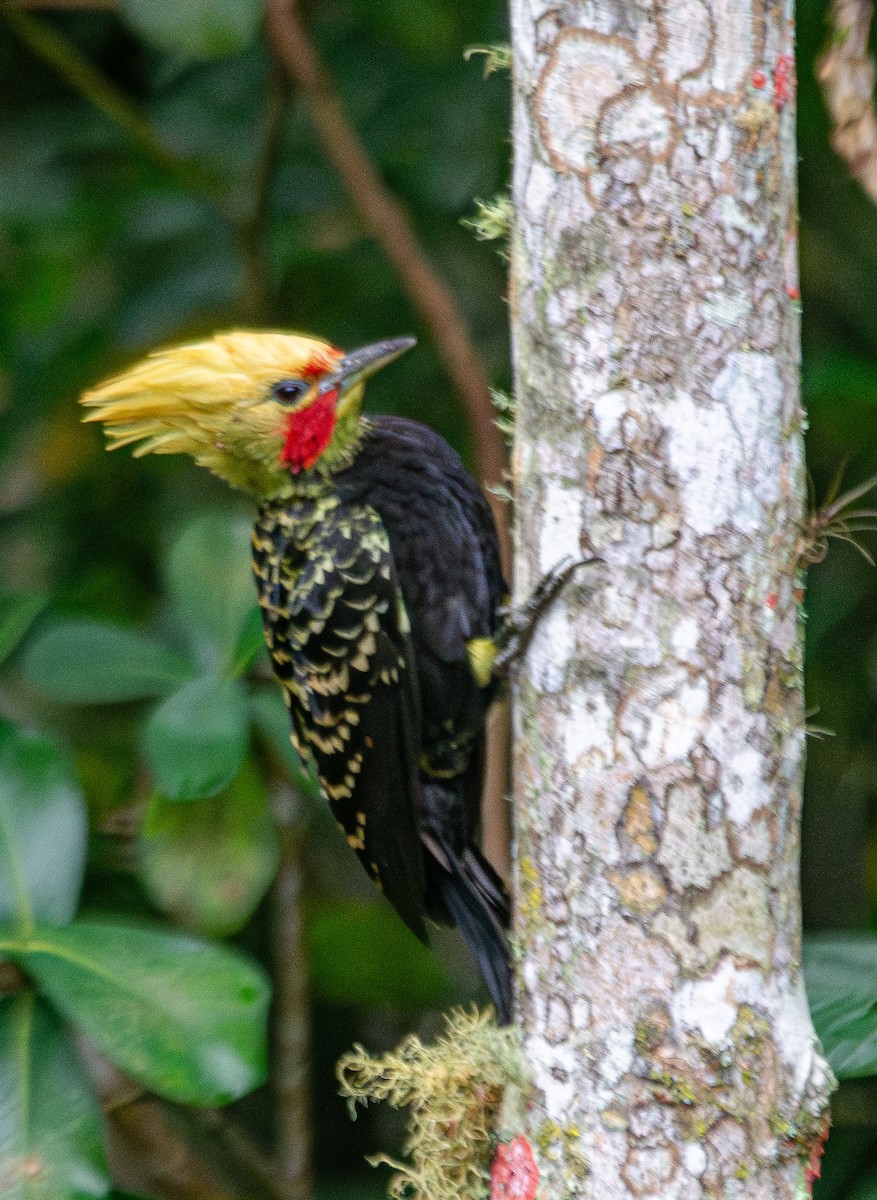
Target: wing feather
339 637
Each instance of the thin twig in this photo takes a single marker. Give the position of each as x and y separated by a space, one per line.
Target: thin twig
242 1150
146 1152
49 45
388 223
846 72
292 1032
256 300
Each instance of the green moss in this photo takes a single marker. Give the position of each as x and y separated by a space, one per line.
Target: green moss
492 221
453 1090
497 57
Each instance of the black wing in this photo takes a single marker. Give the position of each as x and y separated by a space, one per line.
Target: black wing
338 633
445 548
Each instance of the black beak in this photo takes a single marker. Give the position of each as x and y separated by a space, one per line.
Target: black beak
359 365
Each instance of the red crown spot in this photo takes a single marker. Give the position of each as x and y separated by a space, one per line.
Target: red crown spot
307 433
320 362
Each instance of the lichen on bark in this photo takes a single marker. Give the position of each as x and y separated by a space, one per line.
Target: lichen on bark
660 722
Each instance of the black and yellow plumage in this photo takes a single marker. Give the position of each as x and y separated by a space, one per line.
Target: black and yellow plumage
378 575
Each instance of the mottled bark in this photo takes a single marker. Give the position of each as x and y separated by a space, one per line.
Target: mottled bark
659 716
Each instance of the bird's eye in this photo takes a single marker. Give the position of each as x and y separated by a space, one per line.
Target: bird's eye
287 391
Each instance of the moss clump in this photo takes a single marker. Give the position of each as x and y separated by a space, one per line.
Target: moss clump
492 221
453 1090
496 58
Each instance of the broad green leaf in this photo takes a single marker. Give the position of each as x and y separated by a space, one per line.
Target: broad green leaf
841 976
211 584
197 28
43 831
250 644
271 718
51 1134
184 1018
17 613
91 662
196 739
209 863
363 954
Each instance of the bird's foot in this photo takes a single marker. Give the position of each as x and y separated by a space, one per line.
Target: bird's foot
519 624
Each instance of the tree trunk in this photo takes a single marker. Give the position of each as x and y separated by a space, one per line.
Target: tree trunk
659 716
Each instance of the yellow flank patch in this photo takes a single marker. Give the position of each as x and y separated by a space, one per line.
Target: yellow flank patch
482 654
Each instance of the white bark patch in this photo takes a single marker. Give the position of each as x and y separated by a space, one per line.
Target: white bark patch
707 1005
717 488
797 1042
687 33
555 1071
665 729
586 71
636 121
746 789
694 1158
608 410
552 647
684 639
588 728
561 524
734 43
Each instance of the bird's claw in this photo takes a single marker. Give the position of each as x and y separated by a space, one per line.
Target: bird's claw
519 624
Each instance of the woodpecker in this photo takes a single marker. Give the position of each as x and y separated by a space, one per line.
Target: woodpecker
377 568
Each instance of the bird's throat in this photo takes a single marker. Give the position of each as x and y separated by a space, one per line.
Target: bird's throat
308 432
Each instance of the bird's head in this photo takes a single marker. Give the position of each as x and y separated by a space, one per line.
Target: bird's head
255 408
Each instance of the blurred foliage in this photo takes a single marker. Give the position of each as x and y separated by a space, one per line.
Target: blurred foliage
150 195
160 182
181 1017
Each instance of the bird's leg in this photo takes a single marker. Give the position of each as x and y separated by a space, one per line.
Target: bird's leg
519 624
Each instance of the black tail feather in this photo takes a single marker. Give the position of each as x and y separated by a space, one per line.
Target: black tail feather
477 901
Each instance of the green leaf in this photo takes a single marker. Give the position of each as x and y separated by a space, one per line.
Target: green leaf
17 613
51 1134
209 863
250 644
362 954
841 976
196 740
198 28
90 662
210 581
43 831
184 1018
271 718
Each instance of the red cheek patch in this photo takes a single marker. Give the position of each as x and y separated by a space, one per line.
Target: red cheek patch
307 433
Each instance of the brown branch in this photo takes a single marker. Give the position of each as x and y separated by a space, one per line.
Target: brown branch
256 300
243 1151
292 1033
388 223
147 1154
846 73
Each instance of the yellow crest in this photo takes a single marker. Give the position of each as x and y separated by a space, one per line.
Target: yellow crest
211 399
